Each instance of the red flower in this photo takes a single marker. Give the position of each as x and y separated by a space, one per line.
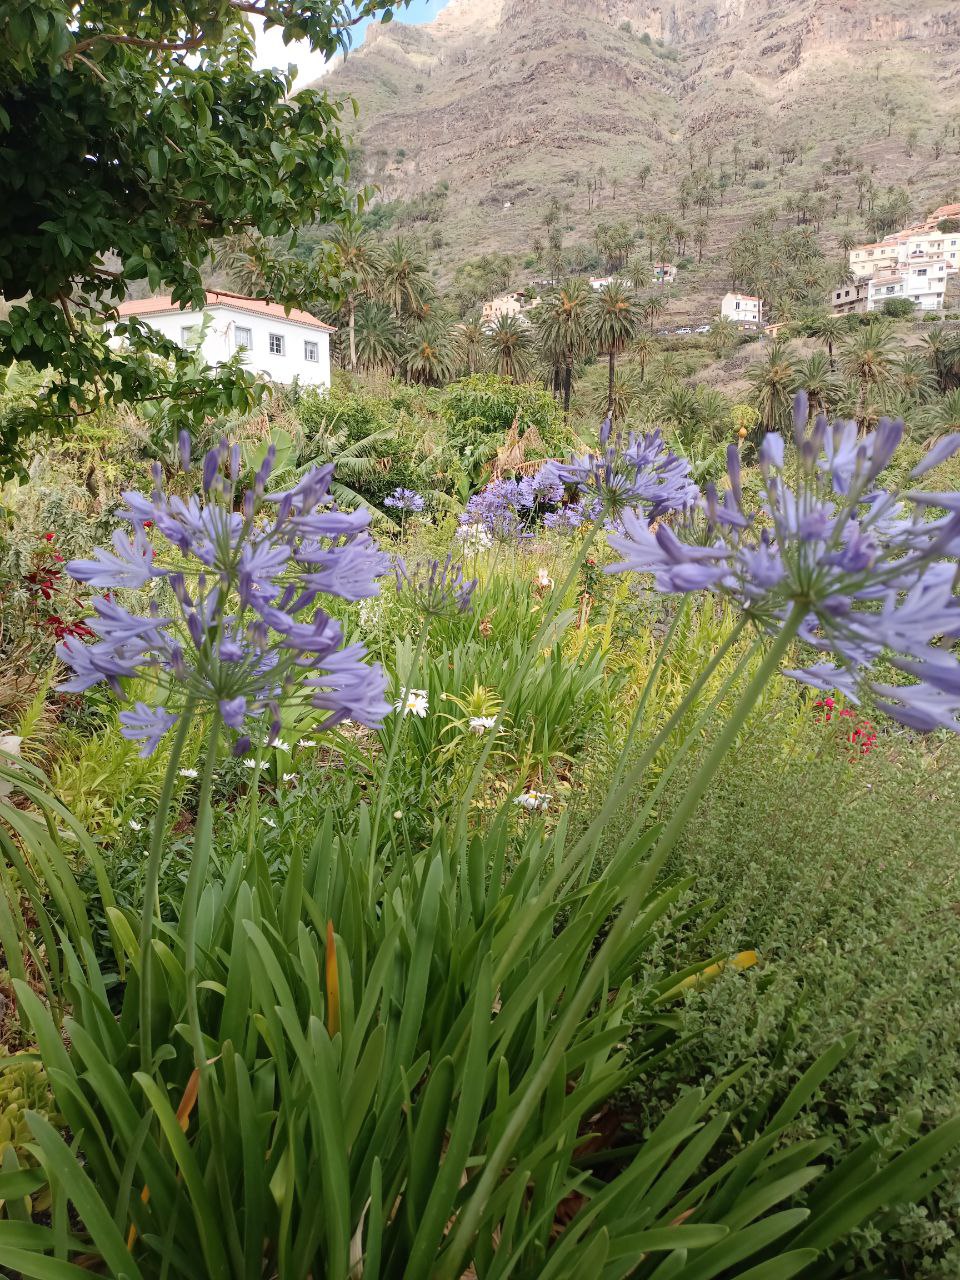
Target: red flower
49 537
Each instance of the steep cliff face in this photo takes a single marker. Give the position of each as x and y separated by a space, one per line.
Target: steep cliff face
514 101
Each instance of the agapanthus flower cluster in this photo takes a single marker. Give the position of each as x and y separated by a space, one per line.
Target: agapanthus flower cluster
405 500
507 510
438 588
498 510
632 472
872 572
231 619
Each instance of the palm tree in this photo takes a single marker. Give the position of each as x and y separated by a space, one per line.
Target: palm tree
615 320
561 325
405 281
775 379
653 307
353 273
241 256
915 379
820 382
829 330
643 349
432 352
867 358
723 337
626 393
378 337
509 348
945 414
638 273
943 353
471 344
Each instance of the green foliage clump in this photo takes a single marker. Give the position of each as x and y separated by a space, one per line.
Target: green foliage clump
479 411
23 1087
834 866
899 308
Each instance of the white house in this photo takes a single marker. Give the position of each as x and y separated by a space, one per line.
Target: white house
923 283
507 304
278 345
742 308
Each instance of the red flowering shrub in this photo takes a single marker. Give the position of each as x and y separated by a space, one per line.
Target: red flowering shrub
858 733
42 603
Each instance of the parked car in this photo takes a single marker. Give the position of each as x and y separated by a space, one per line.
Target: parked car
702 328
685 329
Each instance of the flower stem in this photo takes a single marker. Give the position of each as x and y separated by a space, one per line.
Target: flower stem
556 598
395 739
151 882
581 995
196 878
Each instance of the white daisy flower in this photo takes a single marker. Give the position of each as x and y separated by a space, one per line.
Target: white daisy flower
306 742
250 764
398 814
134 825
188 773
281 745
416 702
480 724
531 800
269 822
290 777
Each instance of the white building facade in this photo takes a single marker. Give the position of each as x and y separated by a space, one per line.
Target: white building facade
742 308
912 263
921 282
280 347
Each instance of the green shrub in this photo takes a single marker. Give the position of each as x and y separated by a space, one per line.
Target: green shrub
839 872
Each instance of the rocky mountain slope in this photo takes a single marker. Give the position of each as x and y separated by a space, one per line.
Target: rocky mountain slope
512 102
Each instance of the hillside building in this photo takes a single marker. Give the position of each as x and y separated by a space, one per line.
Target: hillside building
664 273
912 263
922 283
506 304
851 298
742 308
278 345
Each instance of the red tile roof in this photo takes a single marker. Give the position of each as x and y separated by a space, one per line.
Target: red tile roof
254 306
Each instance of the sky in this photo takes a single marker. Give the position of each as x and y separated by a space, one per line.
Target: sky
271 51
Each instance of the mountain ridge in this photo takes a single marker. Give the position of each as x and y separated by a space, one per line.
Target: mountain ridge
513 103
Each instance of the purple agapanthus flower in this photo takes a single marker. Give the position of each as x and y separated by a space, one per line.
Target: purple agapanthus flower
439 588
498 509
631 473
232 621
872 573
405 500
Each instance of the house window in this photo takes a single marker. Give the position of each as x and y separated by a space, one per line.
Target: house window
189 334
921 271
242 338
890 288
737 306
277 345
311 352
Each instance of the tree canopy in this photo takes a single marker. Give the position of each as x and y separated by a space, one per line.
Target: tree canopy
132 133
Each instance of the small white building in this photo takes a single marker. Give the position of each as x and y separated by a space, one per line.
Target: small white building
664 273
742 308
507 304
278 345
923 283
